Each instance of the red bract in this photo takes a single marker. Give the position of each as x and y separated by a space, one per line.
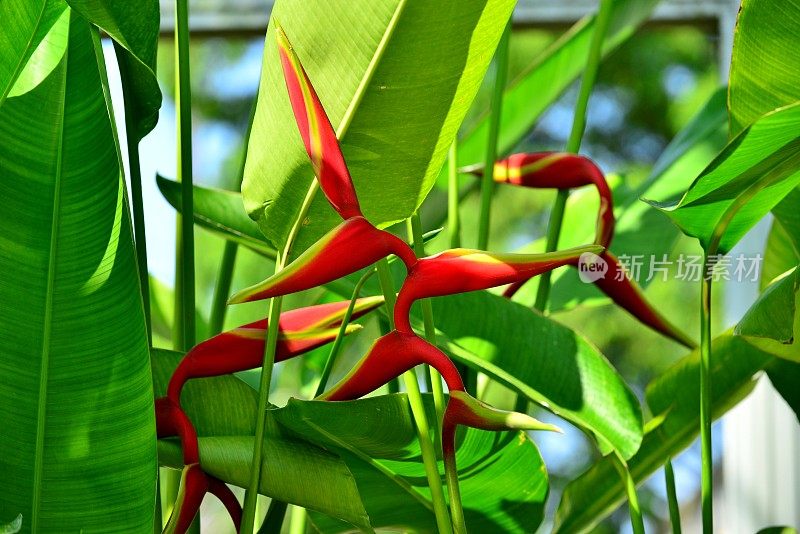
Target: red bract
351 246
172 421
317 133
462 270
560 170
194 485
240 349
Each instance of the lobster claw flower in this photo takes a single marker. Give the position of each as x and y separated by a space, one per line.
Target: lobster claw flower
389 357
242 348
318 136
351 246
171 420
628 295
462 270
195 483
558 170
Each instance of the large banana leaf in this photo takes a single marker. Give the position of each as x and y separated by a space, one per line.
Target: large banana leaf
549 75
759 167
396 78
75 389
673 399
134 26
502 477
640 229
25 25
765 65
549 363
785 375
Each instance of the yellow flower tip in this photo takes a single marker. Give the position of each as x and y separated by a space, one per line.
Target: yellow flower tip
521 421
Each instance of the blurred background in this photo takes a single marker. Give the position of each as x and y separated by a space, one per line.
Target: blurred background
646 92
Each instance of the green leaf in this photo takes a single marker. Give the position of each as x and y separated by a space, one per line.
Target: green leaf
778 530
640 230
217 406
548 363
135 27
785 376
221 212
549 76
388 53
293 471
502 477
162 314
672 397
772 321
26 23
76 382
765 66
780 254
749 177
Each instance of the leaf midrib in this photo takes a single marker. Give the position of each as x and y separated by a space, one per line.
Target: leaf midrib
41 414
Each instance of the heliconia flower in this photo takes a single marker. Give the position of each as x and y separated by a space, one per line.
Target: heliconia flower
195 483
461 270
171 420
351 246
317 133
558 170
389 357
242 348
628 295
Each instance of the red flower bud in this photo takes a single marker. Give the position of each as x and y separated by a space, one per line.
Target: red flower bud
194 485
389 357
317 133
351 246
301 330
559 170
462 270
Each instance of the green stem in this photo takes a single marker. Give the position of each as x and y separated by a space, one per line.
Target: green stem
456 509
706 485
453 217
430 328
487 184
337 343
298 520
222 288
271 342
574 141
637 522
418 412
184 121
672 498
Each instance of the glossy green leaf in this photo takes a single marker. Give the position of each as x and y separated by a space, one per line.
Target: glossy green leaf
135 27
221 212
672 397
765 65
433 54
25 26
502 477
549 76
640 229
217 406
750 176
773 320
76 389
785 375
548 363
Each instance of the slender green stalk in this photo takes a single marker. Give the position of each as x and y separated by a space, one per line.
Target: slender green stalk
430 328
487 183
574 141
184 121
298 520
637 522
337 343
706 484
222 288
271 342
453 216
418 411
672 498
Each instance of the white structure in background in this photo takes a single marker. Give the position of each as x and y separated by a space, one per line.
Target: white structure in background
761 437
